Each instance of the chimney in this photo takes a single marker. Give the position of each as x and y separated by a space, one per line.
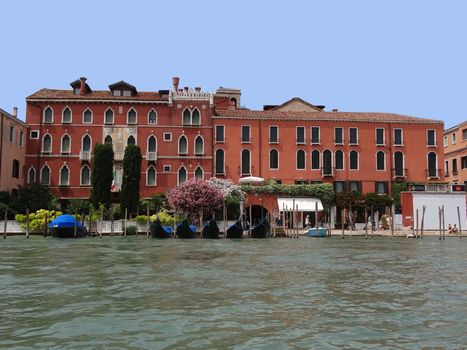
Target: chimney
15 112
198 89
175 81
335 110
82 86
186 88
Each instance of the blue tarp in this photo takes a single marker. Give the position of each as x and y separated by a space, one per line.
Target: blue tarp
65 220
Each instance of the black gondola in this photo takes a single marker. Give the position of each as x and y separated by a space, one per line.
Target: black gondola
158 231
211 230
235 231
184 230
260 230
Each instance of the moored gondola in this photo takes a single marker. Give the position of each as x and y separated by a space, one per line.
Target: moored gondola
184 230
211 230
66 226
158 231
235 231
260 230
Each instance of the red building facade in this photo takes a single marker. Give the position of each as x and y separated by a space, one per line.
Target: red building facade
186 133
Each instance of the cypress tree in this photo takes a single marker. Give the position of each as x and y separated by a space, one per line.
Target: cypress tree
129 196
102 174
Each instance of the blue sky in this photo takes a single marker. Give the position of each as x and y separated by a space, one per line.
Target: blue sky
407 57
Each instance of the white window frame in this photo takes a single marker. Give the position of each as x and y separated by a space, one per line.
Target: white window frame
147 143
202 144
51 144
167 134
34 131
155 176
311 135
128 117
113 116
277 132
319 159
202 172
60 183
342 133
241 162
149 120
187 148
50 175
63 115
434 137
446 141
436 166
178 175
61 144
296 160
269 160
402 137
350 141
43 115
92 116
343 160
376 137
358 161
223 165
29 175
249 134
167 168
223 133
90 142
376 159
454 138
296 135
81 176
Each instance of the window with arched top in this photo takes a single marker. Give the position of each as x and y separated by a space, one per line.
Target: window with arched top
195 117
398 163
199 146
47 144
66 144
246 162
108 140
220 162
432 164
273 159
186 117
339 160
131 117
109 116
64 178
152 144
199 173
15 169
191 117
48 115
182 145
66 115
85 177
131 140
182 175
300 159
353 160
152 117
45 175
380 160
151 176
315 160
327 162
87 116
31 176
86 143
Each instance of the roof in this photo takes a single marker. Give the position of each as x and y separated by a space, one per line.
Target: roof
455 127
324 116
122 83
305 106
53 94
12 118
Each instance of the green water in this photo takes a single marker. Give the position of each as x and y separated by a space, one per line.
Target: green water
138 293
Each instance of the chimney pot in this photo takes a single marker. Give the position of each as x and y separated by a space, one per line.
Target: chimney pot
186 88
175 81
335 110
82 86
197 89
15 112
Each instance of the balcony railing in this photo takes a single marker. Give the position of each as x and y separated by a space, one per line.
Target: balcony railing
400 173
327 171
433 173
151 156
118 156
85 155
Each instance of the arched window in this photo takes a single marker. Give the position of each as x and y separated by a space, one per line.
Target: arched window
66 144
327 162
131 117
186 117
86 143
380 161
199 145
66 115
181 175
432 164
151 176
48 115
152 144
45 175
301 159
246 162
108 140
315 160
87 116
182 145
398 164
47 144
195 117
199 173
85 178
131 140
109 116
15 169
353 160
273 159
31 175
64 176
339 159
220 162
152 117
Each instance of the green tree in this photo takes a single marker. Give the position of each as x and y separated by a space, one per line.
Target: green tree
33 196
129 196
102 173
378 201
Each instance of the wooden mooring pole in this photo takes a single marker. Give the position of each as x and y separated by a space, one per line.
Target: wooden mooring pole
46 229
101 224
366 223
444 224
74 224
27 222
439 220
416 224
342 220
147 222
373 224
5 222
423 220
124 222
391 214
459 219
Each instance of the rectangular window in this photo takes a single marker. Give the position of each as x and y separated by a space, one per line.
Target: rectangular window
464 162
445 141
21 139
431 137
245 133
167 168
117 93
167 136
300 134
353 136
446 168
12 134
454 166
355 186
34 134
381 187
338 136
380 137
464 135
301 182
220 133
126 93
398 138
339 186
315 134
454 138
273 134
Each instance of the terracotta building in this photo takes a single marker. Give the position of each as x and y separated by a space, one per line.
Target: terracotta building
186 133
12 151
455 154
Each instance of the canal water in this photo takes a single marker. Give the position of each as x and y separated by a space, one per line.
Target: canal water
138 293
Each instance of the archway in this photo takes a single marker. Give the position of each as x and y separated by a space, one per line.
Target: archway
258 212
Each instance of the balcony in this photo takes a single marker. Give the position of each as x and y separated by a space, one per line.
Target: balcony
85 155
327 171
399 173
433 173
118 155
151 156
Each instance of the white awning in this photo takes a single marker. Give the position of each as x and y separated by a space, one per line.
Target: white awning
250 180
304 204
